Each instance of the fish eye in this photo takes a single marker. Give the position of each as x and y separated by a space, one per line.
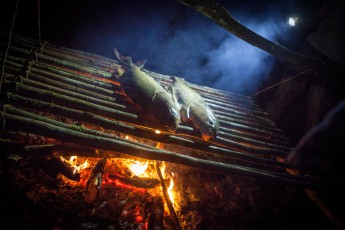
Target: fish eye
173 112
210 123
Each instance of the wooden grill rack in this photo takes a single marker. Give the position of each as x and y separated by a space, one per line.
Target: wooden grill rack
46 86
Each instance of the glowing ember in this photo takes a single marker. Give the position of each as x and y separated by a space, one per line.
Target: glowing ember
138 168
157 132
73 161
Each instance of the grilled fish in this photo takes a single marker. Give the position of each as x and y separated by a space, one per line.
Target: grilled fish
194 108
151 97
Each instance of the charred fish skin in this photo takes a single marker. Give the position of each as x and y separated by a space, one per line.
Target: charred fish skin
151 97
195 109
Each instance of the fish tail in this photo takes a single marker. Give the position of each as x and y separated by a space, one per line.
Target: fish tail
123 59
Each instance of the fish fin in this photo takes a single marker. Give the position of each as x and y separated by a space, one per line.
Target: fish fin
174 78
158 80
184 112
140 64
170 89
123 59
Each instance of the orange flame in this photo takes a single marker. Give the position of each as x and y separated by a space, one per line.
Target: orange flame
157 131
73 161
171 192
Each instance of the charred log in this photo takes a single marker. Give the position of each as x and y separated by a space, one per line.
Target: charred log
139 182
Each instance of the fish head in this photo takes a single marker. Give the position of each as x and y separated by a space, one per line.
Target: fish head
167 112
210 129
173 120
205 120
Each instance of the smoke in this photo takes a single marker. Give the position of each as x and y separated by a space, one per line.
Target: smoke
181 42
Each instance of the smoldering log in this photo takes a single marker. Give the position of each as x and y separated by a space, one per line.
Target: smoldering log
54 166
14 122
139 182
94 182
155 213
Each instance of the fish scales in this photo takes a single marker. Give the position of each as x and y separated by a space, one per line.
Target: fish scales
144 91
194 108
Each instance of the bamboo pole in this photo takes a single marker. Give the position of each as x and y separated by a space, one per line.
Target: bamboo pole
69 87
222 17
74 102
12 110
239 116
226 104
132 130
80 104
244 139
59 75
24 124
85 60
234 125
61 62
46 95
82 54
244 147
71 78
245 121
70 93
75 66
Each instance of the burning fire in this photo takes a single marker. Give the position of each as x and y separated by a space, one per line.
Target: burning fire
138 168
73 162
171 191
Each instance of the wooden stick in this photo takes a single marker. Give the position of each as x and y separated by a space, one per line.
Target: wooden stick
88 117
24 124
136 181
66 92
221 16
131 130
94 182
74 103
173 214
44 69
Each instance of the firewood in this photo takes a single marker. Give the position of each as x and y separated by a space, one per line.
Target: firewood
173 214
139 182
54 166
155 213
94 182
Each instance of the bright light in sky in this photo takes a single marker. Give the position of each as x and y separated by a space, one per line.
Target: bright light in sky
292 21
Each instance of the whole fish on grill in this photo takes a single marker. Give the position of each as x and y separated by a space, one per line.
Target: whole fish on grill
193 108
144 91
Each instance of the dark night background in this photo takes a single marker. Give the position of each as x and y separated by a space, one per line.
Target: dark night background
176 40
173 38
